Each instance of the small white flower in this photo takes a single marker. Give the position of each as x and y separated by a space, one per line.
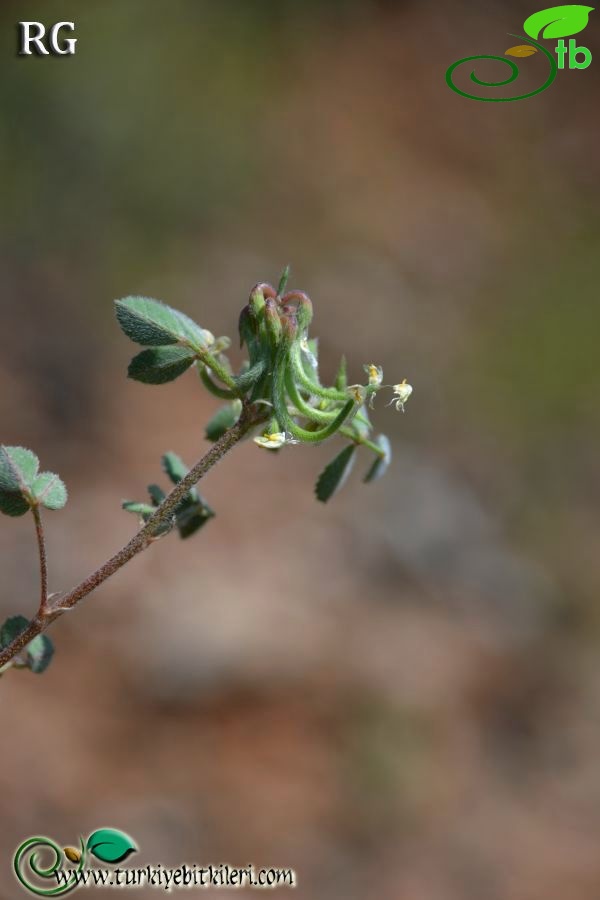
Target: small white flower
271 441
357 392
375 374
402 392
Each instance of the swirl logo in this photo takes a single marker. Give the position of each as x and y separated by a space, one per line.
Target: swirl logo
47 870
556 22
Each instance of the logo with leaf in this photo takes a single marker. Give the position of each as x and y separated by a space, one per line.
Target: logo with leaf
43 859
552 23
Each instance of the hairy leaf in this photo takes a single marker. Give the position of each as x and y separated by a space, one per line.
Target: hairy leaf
50 491
143 510
246 380
224 418
39 653
341 379
192 514
18 470
558 21
154 324
285 276
13 627
381 463
174 466
157 495
159 365
335 474
12 504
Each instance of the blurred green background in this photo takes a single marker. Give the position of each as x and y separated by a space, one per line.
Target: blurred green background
397 694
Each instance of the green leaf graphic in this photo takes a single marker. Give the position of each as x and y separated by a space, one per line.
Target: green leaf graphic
557 21
154 324
109 845
158 365
335 474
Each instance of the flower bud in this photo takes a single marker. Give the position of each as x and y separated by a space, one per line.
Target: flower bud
257 301
304 307
289 326
272 320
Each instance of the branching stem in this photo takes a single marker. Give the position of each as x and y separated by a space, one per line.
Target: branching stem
49 611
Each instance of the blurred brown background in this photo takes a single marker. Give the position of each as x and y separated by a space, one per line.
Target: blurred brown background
397 694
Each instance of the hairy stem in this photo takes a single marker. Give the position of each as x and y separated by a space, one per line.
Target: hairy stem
140 541
39 530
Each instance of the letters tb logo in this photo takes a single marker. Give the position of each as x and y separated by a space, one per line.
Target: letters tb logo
31 39
573 50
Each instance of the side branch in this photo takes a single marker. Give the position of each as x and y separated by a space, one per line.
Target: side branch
48 612
39 530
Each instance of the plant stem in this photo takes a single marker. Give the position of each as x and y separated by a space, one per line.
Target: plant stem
39 530
347 432
48 612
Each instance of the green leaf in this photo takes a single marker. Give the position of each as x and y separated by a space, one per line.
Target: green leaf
157 495
335 474
11 629
109 845
21 486
381 463
50 491
192 514
143 510
223 419
285 277
13 504
158 365
341 379
154 324
18 469
558 21
246 380
39 653
174 466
